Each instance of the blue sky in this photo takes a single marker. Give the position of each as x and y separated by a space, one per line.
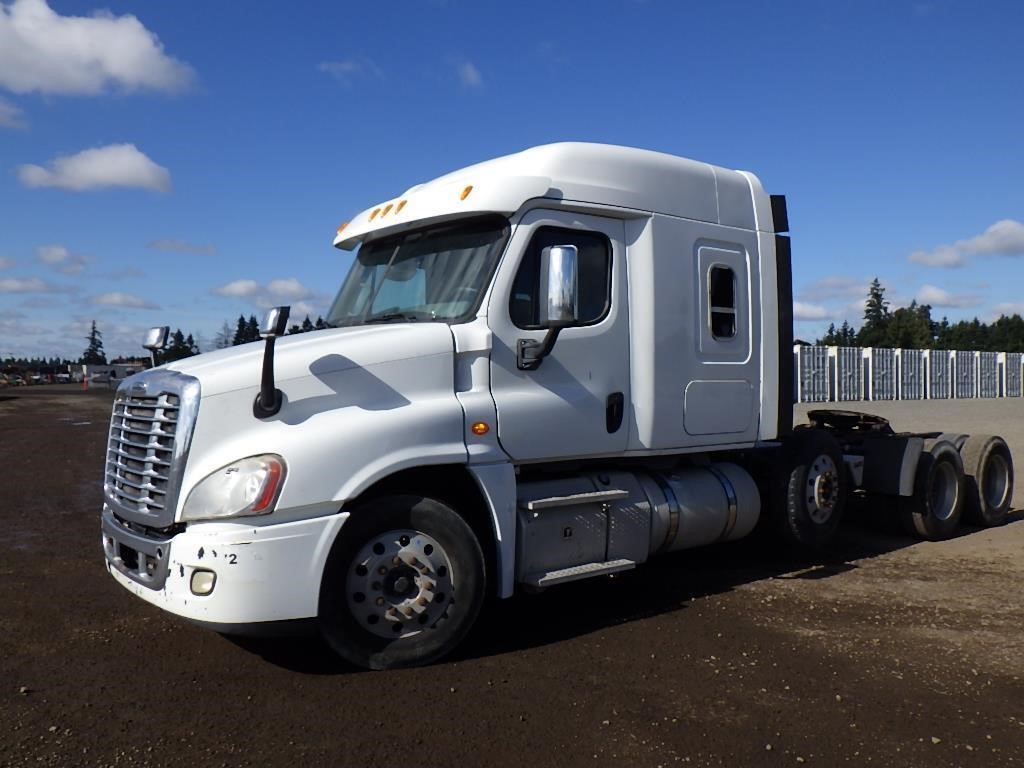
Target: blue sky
183 163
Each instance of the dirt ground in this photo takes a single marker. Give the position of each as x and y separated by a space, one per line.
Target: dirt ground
886 652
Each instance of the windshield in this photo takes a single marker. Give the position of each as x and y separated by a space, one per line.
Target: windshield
438 273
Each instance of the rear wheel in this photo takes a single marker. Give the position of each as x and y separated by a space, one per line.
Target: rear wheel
934 511
988 468
403 583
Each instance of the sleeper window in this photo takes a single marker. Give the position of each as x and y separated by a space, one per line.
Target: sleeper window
594 272
722 302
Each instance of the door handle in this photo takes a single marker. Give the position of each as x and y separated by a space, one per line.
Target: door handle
613 412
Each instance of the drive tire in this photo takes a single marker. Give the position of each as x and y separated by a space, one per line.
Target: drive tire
988 470
400 554
934 511
809 505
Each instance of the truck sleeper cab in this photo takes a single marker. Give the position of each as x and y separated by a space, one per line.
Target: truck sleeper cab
545 367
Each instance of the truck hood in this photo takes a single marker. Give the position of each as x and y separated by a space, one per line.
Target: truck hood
315 353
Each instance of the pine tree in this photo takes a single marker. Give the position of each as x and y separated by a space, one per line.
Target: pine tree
307 325
94 354
876 317
252 329
239 337
320 324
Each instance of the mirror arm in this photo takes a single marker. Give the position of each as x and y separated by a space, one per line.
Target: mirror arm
530 353
268 401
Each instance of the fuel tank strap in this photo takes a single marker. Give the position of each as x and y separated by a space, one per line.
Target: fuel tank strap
730 495
673 511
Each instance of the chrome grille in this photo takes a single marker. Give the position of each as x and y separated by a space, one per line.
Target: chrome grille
150 429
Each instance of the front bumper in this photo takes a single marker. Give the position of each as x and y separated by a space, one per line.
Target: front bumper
262 573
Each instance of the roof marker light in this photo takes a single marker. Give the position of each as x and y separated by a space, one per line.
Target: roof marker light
465 192
374 214
387 208
401 205
342 227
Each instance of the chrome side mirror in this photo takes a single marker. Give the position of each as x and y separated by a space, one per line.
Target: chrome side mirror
558 303
559 299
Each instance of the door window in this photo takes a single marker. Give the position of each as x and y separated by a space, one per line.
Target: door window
594 275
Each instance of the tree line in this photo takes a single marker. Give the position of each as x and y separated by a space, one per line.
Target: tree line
180 346
913 327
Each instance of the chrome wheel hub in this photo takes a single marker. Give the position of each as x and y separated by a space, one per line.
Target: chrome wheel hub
822 490
399 584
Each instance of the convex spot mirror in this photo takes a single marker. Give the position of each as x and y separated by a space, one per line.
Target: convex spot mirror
275 322
156 338
559 288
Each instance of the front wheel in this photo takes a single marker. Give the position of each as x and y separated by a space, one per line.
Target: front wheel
403 584
809 501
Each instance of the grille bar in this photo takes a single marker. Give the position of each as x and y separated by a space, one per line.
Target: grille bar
150 429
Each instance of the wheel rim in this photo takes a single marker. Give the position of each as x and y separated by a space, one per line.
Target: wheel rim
822 488
399 584
942 498
996 483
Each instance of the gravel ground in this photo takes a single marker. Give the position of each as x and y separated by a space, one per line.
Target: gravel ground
884 652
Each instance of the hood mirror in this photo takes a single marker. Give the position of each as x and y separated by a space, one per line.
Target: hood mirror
155 340
268 401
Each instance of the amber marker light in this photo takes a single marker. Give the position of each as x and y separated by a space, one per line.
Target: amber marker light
342 227
387 208
401 205
374 214
480 428
465 192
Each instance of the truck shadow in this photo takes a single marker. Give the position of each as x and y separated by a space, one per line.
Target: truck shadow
664 585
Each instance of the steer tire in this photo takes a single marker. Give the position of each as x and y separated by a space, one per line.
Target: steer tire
809 491
934 511
988 469
403 584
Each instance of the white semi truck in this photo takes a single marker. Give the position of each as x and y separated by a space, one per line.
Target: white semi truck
549 366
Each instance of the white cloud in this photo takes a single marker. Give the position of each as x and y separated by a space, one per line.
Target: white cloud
61 259
1004 238
348 70
238 289
469 75
288 288
1008 308
835 287
28 285
118 299
182 246
802 311
11 116
941 298
42 51
6 262
116 165
290 291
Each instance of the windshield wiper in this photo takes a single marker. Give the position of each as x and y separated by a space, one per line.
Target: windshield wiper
408 316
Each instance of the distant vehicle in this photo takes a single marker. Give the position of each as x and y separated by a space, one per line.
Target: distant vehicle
17 381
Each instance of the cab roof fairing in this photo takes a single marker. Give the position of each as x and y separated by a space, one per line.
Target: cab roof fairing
626 177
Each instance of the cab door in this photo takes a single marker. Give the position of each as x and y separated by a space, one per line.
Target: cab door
576 403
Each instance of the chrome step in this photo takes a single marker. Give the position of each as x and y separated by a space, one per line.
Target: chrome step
577 572
593 497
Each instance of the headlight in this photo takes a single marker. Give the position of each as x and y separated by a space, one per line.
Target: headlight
246 487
